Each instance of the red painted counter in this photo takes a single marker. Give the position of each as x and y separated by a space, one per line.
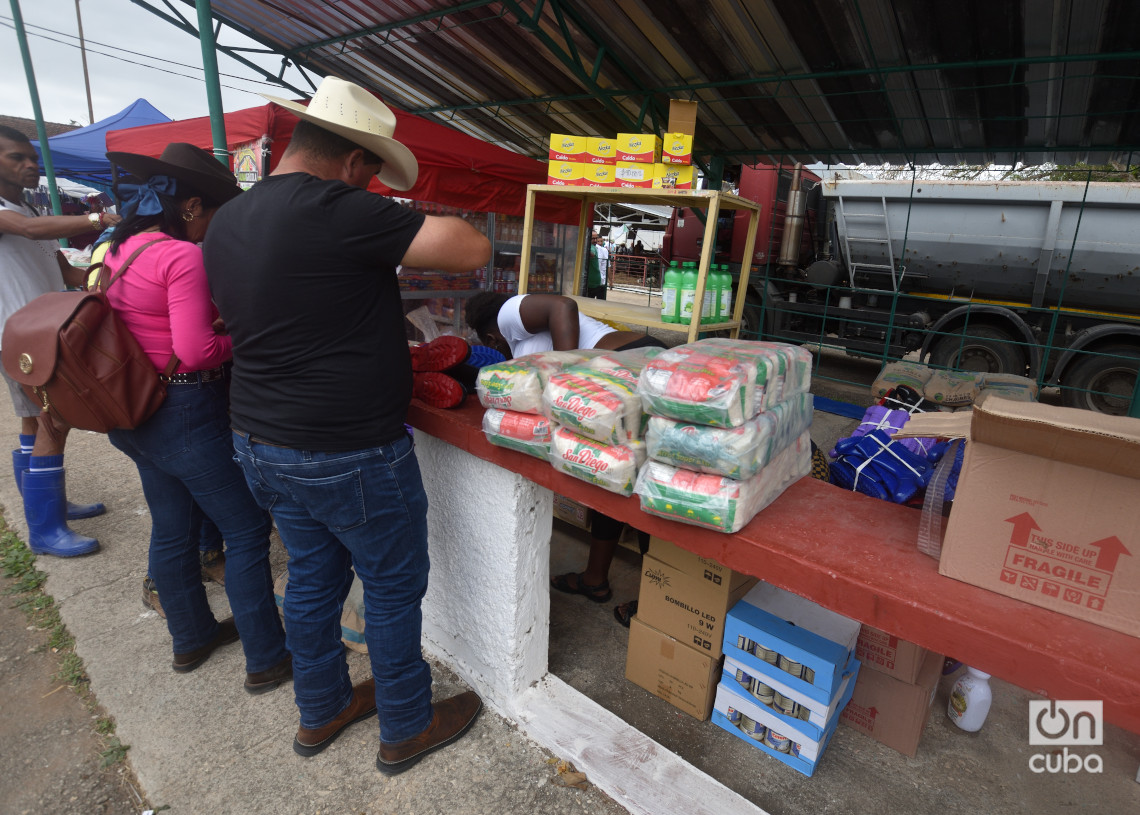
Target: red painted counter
857 555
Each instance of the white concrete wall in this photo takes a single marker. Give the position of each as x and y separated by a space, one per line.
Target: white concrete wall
487 610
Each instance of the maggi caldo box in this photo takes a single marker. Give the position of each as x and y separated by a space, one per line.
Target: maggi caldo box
672 177
1045 509
677 148
597 175
564 173
633 174
643 148
567 148
600 151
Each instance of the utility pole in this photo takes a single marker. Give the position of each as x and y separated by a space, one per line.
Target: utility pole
83 54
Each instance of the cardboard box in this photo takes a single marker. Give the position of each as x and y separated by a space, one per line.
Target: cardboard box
684 677
634 174
672 176
600 151
641 148
1045 510
802 756
686 602
888 654
682 116
564 173
677 148
891 711
567 148
819 715
597 175
798 629
569 510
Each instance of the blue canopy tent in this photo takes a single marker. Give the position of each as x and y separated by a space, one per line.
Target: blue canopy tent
81 154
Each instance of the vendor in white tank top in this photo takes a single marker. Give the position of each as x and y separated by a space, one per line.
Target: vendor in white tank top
530 323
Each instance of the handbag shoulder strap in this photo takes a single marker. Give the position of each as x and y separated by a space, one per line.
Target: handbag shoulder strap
119 272
172 363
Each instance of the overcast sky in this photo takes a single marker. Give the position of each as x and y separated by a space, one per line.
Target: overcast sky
131 54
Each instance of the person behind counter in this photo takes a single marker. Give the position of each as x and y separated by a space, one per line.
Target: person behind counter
530 323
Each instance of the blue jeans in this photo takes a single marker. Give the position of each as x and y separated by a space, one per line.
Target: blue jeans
364 509
185 461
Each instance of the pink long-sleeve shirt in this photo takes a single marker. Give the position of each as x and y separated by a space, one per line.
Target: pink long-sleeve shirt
164 298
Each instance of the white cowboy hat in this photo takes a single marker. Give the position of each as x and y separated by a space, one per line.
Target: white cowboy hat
350 111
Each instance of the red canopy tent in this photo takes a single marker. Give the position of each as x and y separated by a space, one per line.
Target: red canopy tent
455 169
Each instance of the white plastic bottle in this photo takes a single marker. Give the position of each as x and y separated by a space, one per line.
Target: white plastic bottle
970 700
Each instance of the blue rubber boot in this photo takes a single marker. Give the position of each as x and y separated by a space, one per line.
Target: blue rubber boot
44 505
75 512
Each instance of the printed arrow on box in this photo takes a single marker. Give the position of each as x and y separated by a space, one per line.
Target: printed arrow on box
1109 551
1023 525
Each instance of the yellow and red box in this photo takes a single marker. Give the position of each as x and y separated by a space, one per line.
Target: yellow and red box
672 177
567 148
677 148
597 175
634 174
564 173
642 148
600 151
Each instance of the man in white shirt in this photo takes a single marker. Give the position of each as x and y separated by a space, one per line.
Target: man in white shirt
30 265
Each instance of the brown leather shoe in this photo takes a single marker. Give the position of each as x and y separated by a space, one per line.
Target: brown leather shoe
450 719
227 633
310 741
213 564
270 678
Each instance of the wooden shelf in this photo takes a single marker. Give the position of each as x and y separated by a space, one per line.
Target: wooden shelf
639 315
710 200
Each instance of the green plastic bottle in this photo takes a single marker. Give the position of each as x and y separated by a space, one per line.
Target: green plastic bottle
724 294
689 293
671 294
709 304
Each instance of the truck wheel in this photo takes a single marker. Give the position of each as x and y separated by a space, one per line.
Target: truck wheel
984 348
1103 381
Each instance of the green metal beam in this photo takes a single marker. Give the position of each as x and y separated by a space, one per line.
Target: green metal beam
180 22
33 91
213 86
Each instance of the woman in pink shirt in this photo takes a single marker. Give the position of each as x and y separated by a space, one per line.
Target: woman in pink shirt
184 452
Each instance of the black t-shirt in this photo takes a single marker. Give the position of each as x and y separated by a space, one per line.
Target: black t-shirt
303 272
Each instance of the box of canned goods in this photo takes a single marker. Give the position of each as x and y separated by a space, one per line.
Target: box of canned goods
796 642
786 746
810 716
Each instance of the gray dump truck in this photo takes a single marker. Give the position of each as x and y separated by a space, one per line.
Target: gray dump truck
1034 278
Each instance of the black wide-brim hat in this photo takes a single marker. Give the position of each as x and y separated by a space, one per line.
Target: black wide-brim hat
187 163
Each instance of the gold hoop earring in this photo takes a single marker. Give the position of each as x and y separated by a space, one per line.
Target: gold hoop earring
188 216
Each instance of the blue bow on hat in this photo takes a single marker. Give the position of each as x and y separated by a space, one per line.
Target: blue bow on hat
142 199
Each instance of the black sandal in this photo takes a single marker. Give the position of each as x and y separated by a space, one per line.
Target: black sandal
600 593
624 612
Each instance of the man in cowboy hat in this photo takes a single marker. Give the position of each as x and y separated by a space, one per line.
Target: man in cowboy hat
30 265
303 270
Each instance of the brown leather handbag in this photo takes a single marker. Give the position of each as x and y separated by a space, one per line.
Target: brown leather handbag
73 355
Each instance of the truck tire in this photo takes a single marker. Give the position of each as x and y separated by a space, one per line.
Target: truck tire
984 348
1103 381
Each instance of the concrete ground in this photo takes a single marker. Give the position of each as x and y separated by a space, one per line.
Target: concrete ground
200 744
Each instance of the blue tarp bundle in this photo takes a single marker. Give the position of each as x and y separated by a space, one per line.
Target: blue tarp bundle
81 154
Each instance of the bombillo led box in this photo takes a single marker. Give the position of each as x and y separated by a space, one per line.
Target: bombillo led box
1045 510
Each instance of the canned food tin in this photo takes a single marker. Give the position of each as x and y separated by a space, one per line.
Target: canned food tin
744 678
795 751
803 713
766 654
762 692
808 674
733 715
794 668
781 744
784 704
745 644
752 728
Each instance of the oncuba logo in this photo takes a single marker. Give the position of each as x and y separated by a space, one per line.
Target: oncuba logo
1054 723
